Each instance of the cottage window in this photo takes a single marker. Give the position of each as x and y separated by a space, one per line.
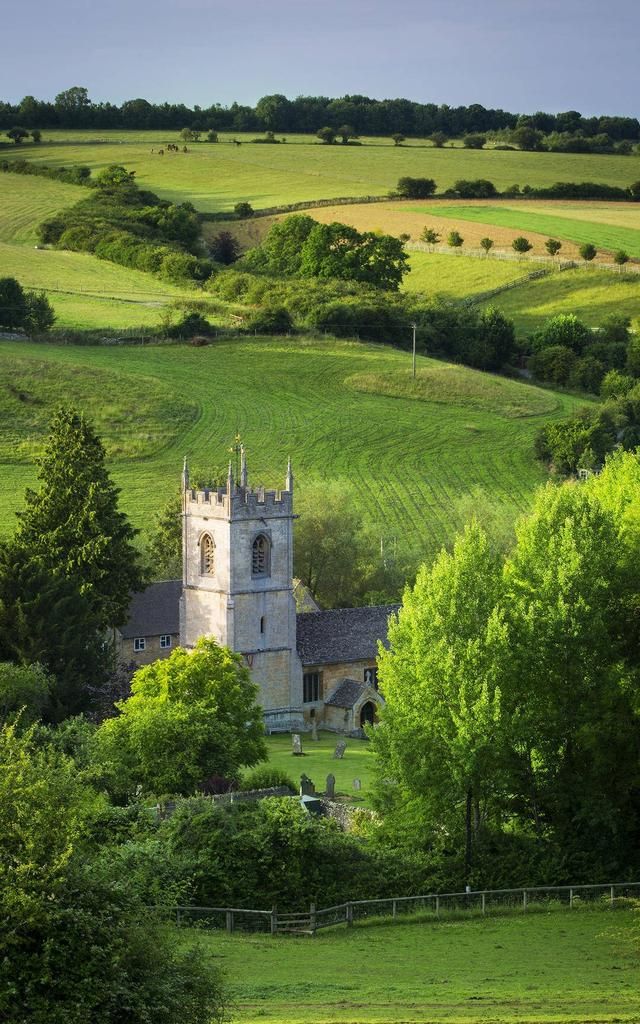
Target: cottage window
207 555
165 641
261 556
139 644
311 687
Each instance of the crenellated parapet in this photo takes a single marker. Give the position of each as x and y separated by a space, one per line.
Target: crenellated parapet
238 500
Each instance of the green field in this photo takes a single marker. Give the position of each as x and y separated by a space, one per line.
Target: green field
85 291
456 277
318 761
410 462
590 294
215 177
564 967
545 222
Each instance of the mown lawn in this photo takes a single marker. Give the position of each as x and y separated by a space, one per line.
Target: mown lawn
410 463
558 967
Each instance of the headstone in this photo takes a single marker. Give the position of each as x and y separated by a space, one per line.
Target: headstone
357 784
314 729
296 744
307 787
339 751
330 791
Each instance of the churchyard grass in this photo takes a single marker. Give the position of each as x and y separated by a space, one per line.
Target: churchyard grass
317 761
216 176
411 465
553 967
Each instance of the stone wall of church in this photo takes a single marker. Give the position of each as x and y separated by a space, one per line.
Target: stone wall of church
331 675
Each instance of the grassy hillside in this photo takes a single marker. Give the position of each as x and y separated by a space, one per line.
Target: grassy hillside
457 277
590 294
543 968
85 291
410 462
215 177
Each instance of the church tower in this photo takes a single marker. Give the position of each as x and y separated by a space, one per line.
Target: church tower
237 565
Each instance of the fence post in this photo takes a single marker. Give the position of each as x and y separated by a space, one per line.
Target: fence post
178 917
570 898
394 909
312 917
349 916
274 919
483 904
612 895
524 899
437 906
230 921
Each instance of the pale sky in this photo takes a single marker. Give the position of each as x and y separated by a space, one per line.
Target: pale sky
521 55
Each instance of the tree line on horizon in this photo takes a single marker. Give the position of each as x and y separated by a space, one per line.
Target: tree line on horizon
73 108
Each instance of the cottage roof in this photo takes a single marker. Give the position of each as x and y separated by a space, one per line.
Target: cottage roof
342 634
155 611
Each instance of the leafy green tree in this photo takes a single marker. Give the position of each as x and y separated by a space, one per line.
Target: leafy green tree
36 135
429 236
475 140
13 303
438 139
212 136
398 138
454 239
80 940
346 132
73 524
17 135
280 252
24 692
521 244
45 619
243 210
553 246
526 138
486 244
40 316
442 731
224 248
340 251
564 329
555 364
620 258
189 716
189 135
588 252
326 135
616 385
415 188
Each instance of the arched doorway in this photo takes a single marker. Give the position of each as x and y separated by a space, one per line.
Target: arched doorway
367 714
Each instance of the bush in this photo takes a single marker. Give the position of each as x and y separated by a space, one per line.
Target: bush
616 385
40 316
478 189
191 325
555 364
588 252
243 210
521 244
224 248
455 239
564 329
474 141
271 320
13 303
587 374
416 188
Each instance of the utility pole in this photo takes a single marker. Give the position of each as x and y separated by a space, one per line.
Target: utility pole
413 362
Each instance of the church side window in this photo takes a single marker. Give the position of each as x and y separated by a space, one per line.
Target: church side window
311 687
260 557
207 555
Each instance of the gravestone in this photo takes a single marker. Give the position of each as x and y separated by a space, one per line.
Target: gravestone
296 744
314 729
307 787
330 791
357 784
339 751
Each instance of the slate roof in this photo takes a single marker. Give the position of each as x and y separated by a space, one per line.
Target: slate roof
346 693
342 634
155 611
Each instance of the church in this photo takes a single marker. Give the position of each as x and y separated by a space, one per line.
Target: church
311 667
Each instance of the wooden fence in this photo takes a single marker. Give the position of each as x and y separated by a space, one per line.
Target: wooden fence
480 902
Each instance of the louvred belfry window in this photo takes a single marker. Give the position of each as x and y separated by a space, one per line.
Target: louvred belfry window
260 557
207 556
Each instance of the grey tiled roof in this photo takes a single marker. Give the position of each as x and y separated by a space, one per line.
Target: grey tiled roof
342 634
155 611
346 693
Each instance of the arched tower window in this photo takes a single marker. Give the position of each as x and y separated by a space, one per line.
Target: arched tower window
261 556
207 555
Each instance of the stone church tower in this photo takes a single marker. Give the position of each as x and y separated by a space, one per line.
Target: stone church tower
237 558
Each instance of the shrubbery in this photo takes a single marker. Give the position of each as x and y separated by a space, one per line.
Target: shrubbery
26 310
